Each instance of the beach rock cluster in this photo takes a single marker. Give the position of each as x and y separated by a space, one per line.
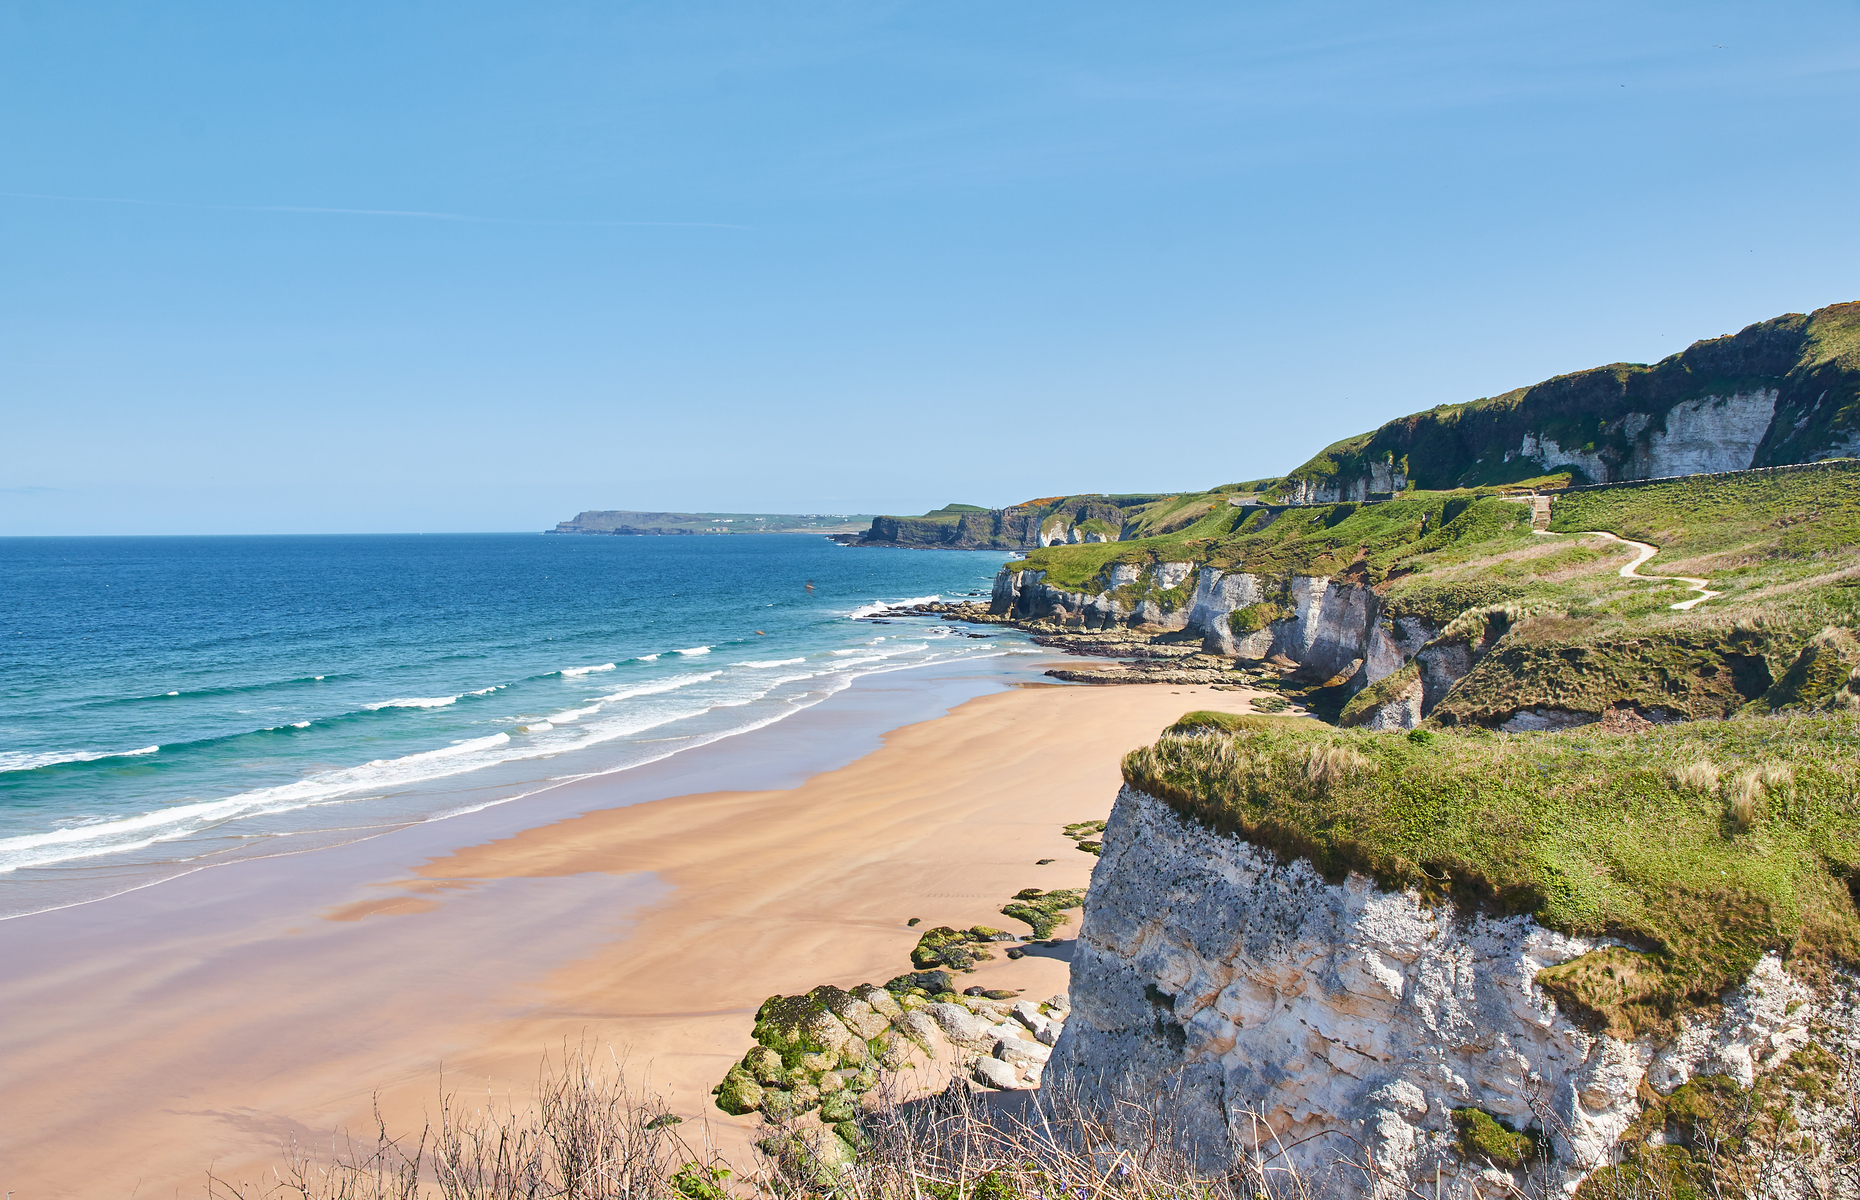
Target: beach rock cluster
1117 643
1196 668
1045 911
958 949
1087 835
819 1052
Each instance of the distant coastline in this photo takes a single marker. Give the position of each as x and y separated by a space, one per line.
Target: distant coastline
625 522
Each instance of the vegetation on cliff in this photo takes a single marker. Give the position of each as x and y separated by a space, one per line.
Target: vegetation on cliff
1812 361
1562 628
1700 845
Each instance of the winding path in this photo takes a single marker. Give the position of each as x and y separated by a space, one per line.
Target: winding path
1632 570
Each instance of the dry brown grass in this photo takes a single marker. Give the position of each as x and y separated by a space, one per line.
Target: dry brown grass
589 1136
1325 765
1702 776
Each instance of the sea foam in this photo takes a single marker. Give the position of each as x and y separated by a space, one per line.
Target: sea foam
26 760
663 685
879 606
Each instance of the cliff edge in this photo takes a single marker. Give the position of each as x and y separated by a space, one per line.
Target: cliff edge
1367 958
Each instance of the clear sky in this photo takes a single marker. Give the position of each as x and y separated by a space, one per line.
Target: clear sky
384 266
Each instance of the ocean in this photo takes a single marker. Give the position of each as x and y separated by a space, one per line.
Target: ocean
167 704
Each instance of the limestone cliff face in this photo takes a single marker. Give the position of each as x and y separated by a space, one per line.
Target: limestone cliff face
1371 481
1335 631
1129 594
1331 629
1711 434
1269 1002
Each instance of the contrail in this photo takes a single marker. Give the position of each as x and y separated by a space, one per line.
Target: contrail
369 212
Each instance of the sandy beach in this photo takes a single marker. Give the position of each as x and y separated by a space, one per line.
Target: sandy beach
656 929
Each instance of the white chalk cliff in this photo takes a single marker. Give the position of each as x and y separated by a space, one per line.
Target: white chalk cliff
1703 436
1346 1021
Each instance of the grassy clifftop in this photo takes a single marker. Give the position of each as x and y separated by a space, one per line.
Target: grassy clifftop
1812 361
1564 629
1025 525
1700 845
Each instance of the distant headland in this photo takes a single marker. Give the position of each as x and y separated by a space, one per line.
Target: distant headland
621 521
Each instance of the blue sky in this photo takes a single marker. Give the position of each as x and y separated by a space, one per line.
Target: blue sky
836 257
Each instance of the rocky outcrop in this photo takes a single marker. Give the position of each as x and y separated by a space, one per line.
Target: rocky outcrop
1370 481
1336 631
1330 1021
1125 594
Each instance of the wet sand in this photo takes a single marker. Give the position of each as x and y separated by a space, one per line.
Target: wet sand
656 929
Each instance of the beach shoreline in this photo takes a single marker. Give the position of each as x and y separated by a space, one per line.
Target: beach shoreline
653 926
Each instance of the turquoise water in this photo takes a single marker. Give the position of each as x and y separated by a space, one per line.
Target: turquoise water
171 703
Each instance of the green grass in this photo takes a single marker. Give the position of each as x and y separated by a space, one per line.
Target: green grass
1716 521
1701 845
1782 545
1365 539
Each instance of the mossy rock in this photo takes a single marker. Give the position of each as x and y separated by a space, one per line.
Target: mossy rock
814 1158
1647 1172
931 947
765 1066
882 1001
927 982
1255 617
796 1025
1044 911
853 1012
1484 1138
892 1050
842 1105
739 1093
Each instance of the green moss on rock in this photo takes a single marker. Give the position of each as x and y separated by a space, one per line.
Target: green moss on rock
1482 1137
739 1093
1043 910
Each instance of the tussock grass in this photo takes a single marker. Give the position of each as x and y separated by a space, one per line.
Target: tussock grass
1700 845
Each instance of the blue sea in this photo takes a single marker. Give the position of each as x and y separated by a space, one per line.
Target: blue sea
172 703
